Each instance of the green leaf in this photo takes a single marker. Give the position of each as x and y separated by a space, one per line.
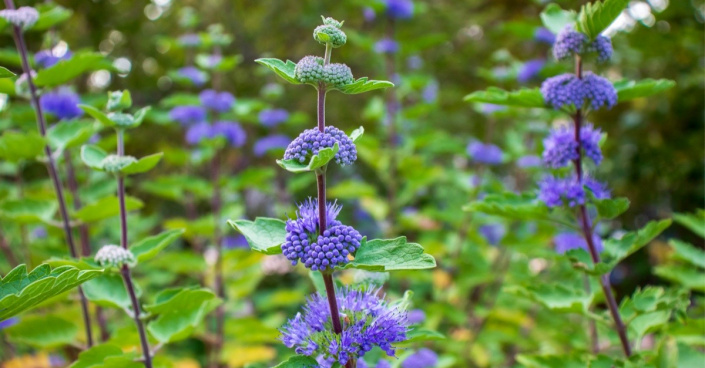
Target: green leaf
5 73
596 17
16 146
51 15
391 255
284 70
422 335
142 165
695 221
630 242
179 312
93 156
356 134
688 276
149 247
582 261
362 85
688 252
20 291
106 356
629 90
28 210
552 361
66 70
608 209
105 208
524 97
298 361
264 235
43 332
511 205
109 291
556 297
98 115
317 161
119 100
555 19
68 134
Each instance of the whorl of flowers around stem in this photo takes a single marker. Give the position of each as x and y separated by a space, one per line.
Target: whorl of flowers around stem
62 103
311 141
337 75
217 101
399 9
272 117
330 33
115 163
598 189
560 147
566 241
186 115
115 256
569 42
23 17
194 75
367 321
555 192
485 153
231 131
269 143
309 69
602 46
567 90
423 358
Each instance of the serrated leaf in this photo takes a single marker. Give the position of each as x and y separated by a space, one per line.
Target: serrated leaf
556 297
629 90
596 17
93 156
555 19
582 261
16 146
633 241
109 291
391 255
693 221
20 291
179 312
356 134
362 85
609 209
66 70
284 70
5 73
149 247
524 97
688 276
51 15
98 115
43 332
105 208
317 161
421 335
264 235
298 361
71 133
106 356
688 252
511 205
142 165
28 210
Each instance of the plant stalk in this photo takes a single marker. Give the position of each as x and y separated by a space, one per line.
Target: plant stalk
588 234
216 206
125 270
51 164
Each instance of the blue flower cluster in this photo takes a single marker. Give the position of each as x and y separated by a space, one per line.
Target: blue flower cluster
423 358
485 153
61 103
186 115
555 191
217 101
568 240
560 146
530 70
230 130
369 321
386 46
311 141
570 42
194 75
399 9
317 251
567 90
544 35
270 142
47 58
273 117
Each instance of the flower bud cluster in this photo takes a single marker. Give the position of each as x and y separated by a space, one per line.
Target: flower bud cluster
115 256
570 42
23 17
311 141
115 163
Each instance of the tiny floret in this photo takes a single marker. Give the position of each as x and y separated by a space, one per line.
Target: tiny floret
115 256
337 75
115 163
309 69
23 17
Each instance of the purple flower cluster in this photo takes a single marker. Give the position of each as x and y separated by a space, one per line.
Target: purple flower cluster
529 161
485 153
493 233
568 240
311 141
559 148
599 189
544 35
386 46
603 47
369 321
270 142
47 58
569 42
193 75
568 90
230 130
61 103
423 358
186 115
217 101
273 117
399 9
317 251
556 192
530 70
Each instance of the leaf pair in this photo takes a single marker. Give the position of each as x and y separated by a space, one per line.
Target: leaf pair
97 159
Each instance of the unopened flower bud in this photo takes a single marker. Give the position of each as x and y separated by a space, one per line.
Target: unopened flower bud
115 256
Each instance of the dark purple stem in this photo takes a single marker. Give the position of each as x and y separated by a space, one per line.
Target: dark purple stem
587 232
125 270
51 164
216 204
